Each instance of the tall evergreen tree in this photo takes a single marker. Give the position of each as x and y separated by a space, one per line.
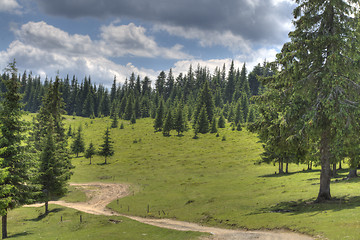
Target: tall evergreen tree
159 119
202 125
106 149
205 100
16 182
53 175
55 162
90 152
168 124
78 145
230 85
179 121
320 67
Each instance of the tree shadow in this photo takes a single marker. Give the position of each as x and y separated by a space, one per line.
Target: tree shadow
43 215
310 206
288 174
22 234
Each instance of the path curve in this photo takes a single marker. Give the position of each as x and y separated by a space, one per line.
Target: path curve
99 195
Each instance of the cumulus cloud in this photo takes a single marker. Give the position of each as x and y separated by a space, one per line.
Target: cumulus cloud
10 6
265 21
46 49
132 40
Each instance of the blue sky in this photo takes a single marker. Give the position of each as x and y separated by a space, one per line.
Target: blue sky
107 38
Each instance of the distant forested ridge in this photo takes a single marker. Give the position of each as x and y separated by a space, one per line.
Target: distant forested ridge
230 89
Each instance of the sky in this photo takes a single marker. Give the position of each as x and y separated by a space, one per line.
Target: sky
104 39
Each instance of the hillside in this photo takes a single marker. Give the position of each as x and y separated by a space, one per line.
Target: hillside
213 182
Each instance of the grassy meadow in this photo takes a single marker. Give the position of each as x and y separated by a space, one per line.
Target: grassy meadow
205 180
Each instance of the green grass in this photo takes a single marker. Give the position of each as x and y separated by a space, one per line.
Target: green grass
75 194
29 223
215 182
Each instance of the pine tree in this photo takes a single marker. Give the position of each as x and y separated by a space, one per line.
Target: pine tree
179 121
158 124
78 145
16 183
205 100
319 70
106 149
53 174
115 121
238 114
168 125
91 151
221 122
202 125
230 85
213 126
51 140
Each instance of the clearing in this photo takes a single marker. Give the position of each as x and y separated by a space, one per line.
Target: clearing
99 195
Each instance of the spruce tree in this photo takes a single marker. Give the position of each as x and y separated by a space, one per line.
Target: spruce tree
16 185
205 100
179 121
90 152
53 174
51 140
106 149
213 126
159 119
238 114
319 69
168 125
78 145
115 121
202 124
221 122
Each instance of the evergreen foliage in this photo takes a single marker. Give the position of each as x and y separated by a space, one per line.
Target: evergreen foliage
90 152
106 149
213 126
55 164
168 125
202 125
78 145
158 124
15 186
221 122
318 84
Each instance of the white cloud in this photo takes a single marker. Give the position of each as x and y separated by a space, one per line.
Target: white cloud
43 48
132 40
10 6
208 38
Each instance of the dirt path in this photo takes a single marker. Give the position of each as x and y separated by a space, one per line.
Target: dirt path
101 194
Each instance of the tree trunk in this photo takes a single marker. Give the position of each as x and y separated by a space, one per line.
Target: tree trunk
90 160
105 161
4 226
46 207
325 176
352 173
281 168
334 170
340 167
287 166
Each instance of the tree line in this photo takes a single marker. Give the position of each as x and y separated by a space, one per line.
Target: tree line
225 92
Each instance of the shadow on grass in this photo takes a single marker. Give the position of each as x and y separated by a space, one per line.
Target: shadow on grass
42 216
309 206
22 234
289 174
